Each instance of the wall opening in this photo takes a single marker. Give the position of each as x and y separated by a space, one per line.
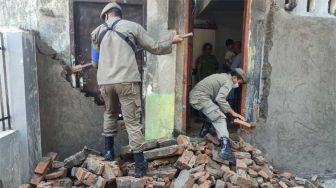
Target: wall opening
218 22
311 4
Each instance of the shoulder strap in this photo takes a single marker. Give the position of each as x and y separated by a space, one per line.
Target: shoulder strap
121 35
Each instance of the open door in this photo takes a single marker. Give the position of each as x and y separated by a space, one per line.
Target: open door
214 22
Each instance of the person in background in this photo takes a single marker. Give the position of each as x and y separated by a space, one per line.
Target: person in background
236 61
229 54
207 63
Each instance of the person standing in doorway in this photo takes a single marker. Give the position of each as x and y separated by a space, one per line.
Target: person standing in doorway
209 96
118 77
229 54
207 63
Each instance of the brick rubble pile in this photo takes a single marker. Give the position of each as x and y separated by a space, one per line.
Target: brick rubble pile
176 163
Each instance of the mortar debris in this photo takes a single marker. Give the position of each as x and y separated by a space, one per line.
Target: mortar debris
183 162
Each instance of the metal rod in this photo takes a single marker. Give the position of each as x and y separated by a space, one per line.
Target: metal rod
1 96
5 80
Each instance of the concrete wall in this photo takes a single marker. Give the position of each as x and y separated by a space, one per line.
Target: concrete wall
49 17
20 148
298 83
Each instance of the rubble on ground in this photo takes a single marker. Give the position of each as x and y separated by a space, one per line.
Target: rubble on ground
178 163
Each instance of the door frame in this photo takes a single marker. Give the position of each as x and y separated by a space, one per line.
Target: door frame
188 58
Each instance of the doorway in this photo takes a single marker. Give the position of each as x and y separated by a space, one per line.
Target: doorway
214 24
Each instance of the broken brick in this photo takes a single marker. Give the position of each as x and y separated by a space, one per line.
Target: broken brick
242 181
164 161
229 185
164 152
54 175
263 174
240 164
248 162
164 142
43 166
242 155
212 139
220 184
217 158
186 160
202 159
256 168
204 178
75 160
95 166
260 160
217 173
206 184
185 141
36 180
252 173
64 183
52 155
184 180
111 171
198 175
129 181
165 172
282 184
57 164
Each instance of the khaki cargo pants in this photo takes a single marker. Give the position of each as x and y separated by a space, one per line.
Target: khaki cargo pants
204 103
130 99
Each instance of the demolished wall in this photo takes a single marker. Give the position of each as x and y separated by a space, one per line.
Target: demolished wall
298 84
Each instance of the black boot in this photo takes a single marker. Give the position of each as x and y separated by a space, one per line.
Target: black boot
205 129
109 149
140 165
225 151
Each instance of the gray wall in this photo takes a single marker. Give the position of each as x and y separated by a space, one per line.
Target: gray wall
21 148
297 131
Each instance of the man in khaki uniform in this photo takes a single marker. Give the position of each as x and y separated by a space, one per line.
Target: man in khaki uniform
119 78
209 97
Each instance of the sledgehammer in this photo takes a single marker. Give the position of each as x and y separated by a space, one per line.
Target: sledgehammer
76 68
243 123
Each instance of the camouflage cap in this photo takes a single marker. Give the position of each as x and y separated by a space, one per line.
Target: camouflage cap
242 74
109 7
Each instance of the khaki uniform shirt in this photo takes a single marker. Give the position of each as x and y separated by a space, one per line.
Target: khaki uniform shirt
117 62
216 87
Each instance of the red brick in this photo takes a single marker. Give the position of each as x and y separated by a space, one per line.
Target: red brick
263 174
208 152
242 181
248 148
186 161
225 169
256 168
36 180
212 139
54 175
94 165
240 164
80 173
164 152
202 159
164 142
229 185
57 164
25 186
164 161
111 171
100 182
242 155
184 178
206 184
43 166
198 175
282 184
184 141
203 179
128 181
163 173
252 173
